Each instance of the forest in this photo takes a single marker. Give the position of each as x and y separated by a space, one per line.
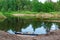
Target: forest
27 5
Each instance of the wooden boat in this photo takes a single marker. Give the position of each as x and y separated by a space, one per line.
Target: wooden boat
20 33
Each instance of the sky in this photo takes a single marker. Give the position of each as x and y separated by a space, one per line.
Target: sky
45 0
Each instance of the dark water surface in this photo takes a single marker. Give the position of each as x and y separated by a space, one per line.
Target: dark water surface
35 26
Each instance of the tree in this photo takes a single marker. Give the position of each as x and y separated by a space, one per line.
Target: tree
57 6
37 6
48 7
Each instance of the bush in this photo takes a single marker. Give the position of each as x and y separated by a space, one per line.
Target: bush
48 7
37 6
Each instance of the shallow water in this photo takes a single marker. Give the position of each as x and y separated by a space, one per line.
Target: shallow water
12 25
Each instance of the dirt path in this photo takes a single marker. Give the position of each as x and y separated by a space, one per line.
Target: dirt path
55 35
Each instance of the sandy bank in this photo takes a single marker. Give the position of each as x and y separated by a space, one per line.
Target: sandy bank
55 35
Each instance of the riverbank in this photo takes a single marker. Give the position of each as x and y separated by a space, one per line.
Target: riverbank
2 17
41 15
33 15
29 14
55 35
44 16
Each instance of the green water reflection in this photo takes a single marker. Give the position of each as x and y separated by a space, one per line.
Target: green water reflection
17 24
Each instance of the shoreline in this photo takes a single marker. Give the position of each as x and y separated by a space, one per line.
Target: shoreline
45 15
54 35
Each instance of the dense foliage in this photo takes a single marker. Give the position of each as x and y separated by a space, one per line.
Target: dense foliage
36 6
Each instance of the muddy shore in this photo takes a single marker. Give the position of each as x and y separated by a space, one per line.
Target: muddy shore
55 35
45 15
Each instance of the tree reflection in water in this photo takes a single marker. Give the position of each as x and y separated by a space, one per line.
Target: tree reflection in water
16 24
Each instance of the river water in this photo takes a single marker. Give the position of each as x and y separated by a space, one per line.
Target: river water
36 26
